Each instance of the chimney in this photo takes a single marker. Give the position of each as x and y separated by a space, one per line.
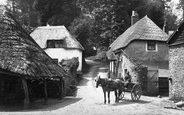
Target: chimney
165 28
134 17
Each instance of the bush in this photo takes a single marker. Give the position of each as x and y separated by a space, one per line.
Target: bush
101 56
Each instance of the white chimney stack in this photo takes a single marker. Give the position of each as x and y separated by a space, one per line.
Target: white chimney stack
134 17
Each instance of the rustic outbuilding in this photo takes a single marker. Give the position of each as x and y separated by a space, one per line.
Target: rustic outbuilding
22 60
142 51
58 43
176 63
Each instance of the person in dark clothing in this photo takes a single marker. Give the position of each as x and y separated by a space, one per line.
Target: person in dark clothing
128 77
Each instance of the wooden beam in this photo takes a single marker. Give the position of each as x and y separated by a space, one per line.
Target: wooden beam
45 91
61 95
26 99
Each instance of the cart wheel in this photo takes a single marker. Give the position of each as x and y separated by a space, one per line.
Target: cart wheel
136 92
122 95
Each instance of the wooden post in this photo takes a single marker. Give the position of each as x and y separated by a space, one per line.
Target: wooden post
61 88
26 99
45 91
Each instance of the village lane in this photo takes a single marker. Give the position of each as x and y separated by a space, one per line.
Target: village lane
89 101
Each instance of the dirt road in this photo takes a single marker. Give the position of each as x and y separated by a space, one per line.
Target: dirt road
89 101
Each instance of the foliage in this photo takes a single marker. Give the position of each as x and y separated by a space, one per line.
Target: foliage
23 11
56 12
181 5
81 29
112 17
95 23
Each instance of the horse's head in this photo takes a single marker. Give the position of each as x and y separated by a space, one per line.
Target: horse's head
98 81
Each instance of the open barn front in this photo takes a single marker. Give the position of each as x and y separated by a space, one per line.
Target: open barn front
13 89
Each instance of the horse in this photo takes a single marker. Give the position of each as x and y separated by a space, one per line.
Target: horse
108 85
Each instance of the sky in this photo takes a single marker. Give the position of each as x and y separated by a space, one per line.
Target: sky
2 1
176 11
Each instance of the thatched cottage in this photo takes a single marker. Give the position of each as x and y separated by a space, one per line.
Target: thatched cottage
142 51
22 60
176 64
58 43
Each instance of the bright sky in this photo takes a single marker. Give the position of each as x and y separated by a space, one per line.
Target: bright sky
176 1
2 1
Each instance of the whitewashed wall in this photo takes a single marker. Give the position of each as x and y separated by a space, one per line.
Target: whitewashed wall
61 53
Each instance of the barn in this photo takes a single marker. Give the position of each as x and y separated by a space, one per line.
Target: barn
23 61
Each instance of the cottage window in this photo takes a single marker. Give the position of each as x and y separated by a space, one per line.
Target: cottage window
55 43
59 43
50 44
151 46
55 60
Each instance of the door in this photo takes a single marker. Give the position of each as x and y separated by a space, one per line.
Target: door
152 84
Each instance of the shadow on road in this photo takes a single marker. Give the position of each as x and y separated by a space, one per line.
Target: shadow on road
127 101
52 104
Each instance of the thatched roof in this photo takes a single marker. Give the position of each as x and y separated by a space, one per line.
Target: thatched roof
144 29
44 33
21 55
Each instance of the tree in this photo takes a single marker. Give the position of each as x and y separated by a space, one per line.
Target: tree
24 12
81 29
181 5
59 12
112 17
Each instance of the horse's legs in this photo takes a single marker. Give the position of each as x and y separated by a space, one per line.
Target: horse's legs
104 97
119 93
108 97
116 96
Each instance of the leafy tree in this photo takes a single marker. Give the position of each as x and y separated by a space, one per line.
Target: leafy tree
24 12
181 5
112 17
56 12
81 29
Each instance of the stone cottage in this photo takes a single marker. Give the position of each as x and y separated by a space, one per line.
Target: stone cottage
176 64
142 50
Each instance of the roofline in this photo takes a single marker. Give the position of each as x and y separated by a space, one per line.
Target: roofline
64 48
176 44
32 40
170 38
116 50
57 27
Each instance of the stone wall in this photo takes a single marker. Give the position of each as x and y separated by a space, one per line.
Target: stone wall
176 67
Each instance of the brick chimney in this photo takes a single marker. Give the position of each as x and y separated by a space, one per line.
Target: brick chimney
134 17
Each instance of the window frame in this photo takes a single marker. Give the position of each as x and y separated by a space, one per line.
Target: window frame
156 46
55 43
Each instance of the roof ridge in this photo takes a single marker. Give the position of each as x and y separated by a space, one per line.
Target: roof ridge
141 30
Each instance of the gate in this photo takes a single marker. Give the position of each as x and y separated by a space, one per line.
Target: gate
152 82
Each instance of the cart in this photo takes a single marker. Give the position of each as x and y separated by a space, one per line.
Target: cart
134 89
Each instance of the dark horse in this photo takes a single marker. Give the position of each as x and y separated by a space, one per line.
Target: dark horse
108 85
